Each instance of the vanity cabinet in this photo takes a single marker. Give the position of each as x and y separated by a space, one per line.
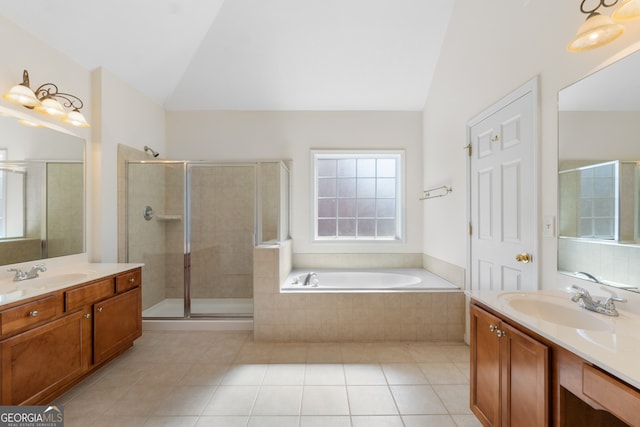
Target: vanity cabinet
51 342
509 374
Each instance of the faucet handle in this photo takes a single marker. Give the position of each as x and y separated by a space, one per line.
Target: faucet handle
581 292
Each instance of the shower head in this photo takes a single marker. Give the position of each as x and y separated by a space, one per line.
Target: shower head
152 151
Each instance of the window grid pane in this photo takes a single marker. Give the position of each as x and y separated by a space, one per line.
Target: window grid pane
357 196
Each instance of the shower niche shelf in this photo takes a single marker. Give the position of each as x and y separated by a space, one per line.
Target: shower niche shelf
169 217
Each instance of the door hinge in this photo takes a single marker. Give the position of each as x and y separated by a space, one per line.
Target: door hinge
470 230
469 149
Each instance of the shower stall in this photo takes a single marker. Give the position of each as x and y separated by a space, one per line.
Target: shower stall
194 225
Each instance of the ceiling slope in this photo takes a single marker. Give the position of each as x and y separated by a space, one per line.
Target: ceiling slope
252 54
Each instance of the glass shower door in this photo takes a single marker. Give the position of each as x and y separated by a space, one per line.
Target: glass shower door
221 234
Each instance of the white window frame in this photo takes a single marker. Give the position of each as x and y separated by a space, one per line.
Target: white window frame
398 155
3 198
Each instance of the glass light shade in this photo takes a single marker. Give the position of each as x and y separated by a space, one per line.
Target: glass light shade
630 9
51 107
596 31
23 95
75 118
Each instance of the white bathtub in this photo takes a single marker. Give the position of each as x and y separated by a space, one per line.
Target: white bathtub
351 280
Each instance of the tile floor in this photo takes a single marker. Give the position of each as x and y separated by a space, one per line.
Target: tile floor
197 379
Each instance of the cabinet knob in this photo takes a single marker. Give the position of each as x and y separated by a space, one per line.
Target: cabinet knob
99 309
501 334
132 279
33 313
87 316
492 328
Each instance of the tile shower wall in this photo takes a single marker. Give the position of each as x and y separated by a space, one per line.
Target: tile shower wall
617 263
423 316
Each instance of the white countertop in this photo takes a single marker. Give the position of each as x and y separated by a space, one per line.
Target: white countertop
58 276
611 343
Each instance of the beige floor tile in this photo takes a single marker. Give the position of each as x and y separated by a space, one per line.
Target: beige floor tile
324 353
364 374
428 420
251 374
273 421
325 400
404 374
466 421
458 352
325 421
359 353
171 421
204 374
464 368
232 400
222 421
140 400
377 421
289 353
454 397
324 374
443 373
278 400
285 374
417 400
162 373
371 400
427 352
394 353
94 402
114 420
185 400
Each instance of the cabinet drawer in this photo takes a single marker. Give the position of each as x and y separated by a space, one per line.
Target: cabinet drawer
27 314
129 280
87 295
616 397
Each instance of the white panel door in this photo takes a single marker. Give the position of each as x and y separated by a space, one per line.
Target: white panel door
503 193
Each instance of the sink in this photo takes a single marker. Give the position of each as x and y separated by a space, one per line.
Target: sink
49 281
556 309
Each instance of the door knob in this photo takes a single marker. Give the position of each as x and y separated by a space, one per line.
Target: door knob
524 258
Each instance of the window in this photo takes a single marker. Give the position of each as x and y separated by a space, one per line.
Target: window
598 201
357 195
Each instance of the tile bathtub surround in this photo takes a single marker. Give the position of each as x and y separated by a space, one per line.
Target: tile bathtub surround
348 317
226 379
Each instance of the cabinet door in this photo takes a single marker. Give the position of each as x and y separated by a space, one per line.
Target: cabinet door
485 367
35 363
116 323
525 377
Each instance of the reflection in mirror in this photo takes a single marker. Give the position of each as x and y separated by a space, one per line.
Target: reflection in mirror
41 193
599 179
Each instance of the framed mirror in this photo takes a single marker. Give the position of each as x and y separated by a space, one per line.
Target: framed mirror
42 192
599 176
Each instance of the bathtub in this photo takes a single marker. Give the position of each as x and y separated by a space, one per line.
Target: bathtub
351 280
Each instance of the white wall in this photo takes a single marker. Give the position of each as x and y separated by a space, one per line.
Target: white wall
122 116
233 135
492 48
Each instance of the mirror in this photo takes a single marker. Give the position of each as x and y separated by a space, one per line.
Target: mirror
599 176
41 192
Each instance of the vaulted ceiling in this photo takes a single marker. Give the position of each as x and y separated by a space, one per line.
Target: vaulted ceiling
252 54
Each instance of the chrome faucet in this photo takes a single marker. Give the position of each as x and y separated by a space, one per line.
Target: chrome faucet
307 280
604 307
25 275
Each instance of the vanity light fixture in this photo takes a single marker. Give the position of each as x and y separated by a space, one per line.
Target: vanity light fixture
47 99
597 30
630 9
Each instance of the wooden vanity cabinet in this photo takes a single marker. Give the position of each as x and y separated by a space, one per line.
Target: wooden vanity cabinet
509 374
51 342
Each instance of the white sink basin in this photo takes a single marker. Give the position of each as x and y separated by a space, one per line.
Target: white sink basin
11 291
556 310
